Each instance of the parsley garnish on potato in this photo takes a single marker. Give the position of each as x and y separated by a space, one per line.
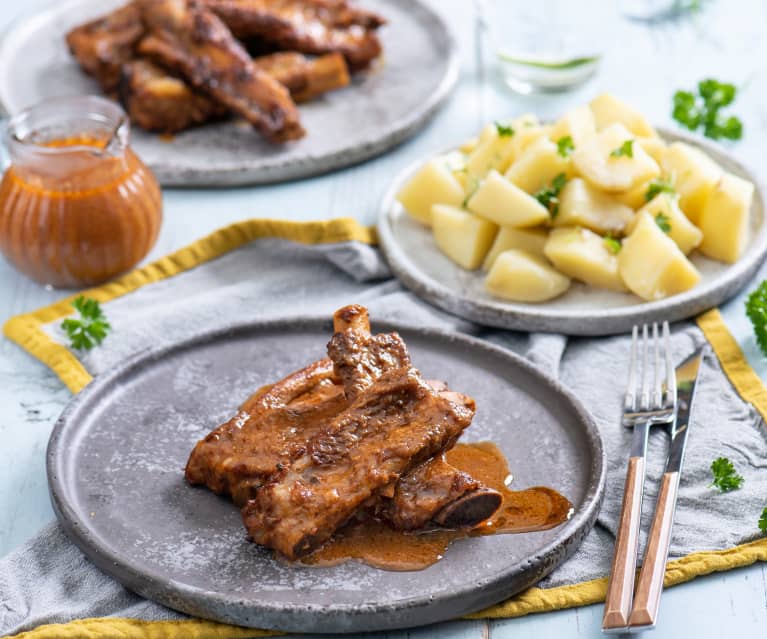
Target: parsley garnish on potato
612 244
92 326
565 146
549 195
658 186
663 222
756 311
624 150
504 130
704 110
725 476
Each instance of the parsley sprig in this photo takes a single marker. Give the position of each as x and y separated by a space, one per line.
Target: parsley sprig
565 146
704 110
504 130
725 476
549 195
657 187
663 221
90 328
624 150
612 244
756 311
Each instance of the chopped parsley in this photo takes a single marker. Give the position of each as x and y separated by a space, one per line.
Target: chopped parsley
504 130
624 150
549 195
612 244
725 476
657 187
704 110
756 311
565 146
763 521
90 328
663 222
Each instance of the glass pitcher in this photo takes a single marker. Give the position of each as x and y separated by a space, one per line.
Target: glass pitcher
77 206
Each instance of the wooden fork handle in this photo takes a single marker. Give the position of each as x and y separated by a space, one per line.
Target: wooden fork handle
650 585
620 588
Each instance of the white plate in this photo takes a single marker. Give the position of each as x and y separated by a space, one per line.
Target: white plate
583 310
379 110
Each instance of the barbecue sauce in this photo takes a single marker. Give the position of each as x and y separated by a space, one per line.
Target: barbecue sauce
377 544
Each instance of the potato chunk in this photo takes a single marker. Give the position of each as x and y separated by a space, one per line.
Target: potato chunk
726 219
529 240
463 237
584 256
596 160
578 123
493 151
686 235
609 110
523 277
580 204
694 175
500 201
651 264
538 165
432 184
655 147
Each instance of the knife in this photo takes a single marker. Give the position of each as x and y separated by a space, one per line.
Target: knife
647 599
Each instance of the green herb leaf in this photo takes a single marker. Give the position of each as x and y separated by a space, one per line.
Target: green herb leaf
694 112
626 149
565 146
473 186
90 329
657 187
549 195
756 311
763 521
663 222
504 130
725 477
612 244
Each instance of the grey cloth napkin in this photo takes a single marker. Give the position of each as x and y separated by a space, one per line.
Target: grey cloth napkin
48 580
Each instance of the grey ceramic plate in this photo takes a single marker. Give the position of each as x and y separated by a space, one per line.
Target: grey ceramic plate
583 310
115 471
379 110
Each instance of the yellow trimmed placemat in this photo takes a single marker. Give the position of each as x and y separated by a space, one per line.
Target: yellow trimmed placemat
26 330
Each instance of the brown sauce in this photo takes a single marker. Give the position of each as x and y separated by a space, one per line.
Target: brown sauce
376 544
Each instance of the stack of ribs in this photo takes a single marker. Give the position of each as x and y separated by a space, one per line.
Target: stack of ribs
358 434
175 64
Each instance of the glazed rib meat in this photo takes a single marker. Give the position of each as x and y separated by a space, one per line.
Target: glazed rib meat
187 38
102 46
389 428
307 26
306 78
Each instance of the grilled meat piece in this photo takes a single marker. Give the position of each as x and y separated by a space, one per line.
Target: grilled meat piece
307 26
271 428
306 78
102 46
187 38
390 428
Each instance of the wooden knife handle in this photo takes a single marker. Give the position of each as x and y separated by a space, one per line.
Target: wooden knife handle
650 585
620 588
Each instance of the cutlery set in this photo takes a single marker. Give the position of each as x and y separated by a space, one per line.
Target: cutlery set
657 394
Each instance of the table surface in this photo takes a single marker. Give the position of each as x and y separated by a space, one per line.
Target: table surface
643 65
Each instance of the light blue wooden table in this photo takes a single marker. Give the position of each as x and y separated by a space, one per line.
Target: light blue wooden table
642 65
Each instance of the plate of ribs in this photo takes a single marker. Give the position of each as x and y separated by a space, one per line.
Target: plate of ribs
226 92
255 476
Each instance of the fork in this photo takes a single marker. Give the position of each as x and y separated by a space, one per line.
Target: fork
643 407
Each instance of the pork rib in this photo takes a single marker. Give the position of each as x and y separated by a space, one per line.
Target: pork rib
389 428
187 38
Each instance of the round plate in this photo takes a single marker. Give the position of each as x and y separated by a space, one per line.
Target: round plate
583 310
380 109
115 472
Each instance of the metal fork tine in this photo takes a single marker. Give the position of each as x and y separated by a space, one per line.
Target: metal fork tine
670 399
644 397
629 403
657 390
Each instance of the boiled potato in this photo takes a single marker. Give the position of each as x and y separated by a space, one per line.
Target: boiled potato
686 235
463 237
529 240
585 256
655 148
468 146
580 204
432 184
651 264
455 161
609 110
634 198
577 123
538 165
595 160
726 219
694 175
493 151
499 201
522 277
